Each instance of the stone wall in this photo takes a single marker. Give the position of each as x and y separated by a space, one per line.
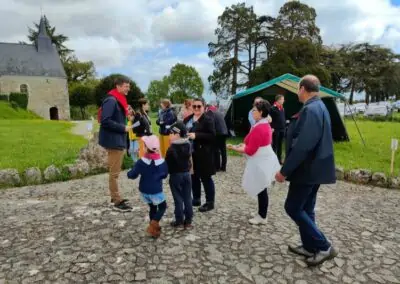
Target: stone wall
44 93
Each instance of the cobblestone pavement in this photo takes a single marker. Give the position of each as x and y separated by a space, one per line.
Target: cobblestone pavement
66 233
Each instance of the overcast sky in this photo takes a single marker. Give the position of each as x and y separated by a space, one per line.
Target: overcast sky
145 38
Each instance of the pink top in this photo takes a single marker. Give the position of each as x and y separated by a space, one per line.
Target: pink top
259 136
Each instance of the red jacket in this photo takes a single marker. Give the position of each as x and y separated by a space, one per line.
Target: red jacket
259 136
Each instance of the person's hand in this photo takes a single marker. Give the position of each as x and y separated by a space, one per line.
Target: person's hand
279 177
192 136
127 128
229 146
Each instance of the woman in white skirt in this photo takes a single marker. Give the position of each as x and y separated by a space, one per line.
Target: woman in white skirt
262 163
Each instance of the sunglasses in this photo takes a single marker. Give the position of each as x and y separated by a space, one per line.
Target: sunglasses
197 106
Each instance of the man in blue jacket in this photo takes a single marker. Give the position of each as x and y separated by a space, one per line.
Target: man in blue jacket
309 163
112 136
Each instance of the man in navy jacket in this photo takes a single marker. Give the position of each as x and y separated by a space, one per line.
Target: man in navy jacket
112 136
308 164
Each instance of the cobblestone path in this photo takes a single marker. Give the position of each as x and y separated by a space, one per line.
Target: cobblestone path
66 233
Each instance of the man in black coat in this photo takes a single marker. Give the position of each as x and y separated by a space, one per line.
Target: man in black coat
278 125
220 141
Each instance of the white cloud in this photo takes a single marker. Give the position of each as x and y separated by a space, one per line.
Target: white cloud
135 36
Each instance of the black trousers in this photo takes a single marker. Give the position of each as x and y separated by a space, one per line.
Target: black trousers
220 153
277 141
263 203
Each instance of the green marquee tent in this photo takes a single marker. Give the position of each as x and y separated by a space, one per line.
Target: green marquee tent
287 85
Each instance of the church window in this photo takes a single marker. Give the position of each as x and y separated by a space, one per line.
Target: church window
23 88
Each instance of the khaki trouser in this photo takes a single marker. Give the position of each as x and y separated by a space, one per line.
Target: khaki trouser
142 150
164 145
115 158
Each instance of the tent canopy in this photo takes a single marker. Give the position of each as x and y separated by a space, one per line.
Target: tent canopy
286 85
289 82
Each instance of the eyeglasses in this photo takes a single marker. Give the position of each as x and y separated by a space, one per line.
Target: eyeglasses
197 106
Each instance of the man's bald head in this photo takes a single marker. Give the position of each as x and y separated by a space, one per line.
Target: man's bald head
310 83
308 87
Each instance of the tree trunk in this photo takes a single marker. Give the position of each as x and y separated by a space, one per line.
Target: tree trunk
83 113
255 56
367 98
235 64
353 85
250 60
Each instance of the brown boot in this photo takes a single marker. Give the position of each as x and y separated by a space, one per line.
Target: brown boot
152 229
158 227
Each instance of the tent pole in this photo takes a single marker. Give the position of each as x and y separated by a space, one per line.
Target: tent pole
355 122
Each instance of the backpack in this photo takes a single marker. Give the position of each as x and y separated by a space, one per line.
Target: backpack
99 111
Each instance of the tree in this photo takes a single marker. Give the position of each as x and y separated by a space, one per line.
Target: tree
57 39
368 67
184 82
236 31
81 96
299 57
78 71
333 59
157 91
108 83
297 20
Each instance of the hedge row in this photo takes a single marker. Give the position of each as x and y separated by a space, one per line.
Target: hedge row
19 99
4 97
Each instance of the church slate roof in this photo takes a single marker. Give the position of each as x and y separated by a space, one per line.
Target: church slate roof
25 60
41 59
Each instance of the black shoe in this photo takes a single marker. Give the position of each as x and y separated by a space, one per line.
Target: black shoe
223 170
176 224
196 203
188 224
206 207
122 207
123 200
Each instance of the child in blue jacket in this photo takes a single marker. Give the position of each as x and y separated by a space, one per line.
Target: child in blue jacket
152 169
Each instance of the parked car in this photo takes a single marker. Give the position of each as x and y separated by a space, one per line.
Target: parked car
378 110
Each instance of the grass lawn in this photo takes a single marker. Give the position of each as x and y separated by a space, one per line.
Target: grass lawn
376 155
7 112
37 143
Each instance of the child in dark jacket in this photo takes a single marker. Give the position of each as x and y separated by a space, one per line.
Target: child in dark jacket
152 170
178 159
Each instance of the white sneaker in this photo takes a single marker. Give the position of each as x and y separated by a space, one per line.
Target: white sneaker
258 220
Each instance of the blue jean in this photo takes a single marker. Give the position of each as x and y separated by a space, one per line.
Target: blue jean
209 188
300 206
181 188
134 150
157 211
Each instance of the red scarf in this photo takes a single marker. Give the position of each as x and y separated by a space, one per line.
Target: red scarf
278 105
121 99
152 156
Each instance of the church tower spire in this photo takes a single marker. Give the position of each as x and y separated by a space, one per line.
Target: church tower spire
43 43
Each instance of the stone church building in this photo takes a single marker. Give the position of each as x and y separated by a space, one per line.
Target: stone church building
36 70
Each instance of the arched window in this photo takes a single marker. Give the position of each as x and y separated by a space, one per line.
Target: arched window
23 88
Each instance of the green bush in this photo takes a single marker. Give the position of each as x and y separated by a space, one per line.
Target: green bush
20 99
3 97
14 105
89 111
